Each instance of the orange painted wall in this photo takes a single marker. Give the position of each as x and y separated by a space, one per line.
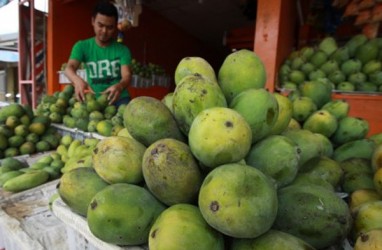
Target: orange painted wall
67 23
274 35
155 40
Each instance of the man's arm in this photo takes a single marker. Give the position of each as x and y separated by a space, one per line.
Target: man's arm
79 84
126 77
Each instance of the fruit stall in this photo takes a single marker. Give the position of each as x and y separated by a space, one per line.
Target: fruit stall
276 146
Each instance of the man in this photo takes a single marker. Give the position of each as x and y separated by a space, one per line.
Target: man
107 61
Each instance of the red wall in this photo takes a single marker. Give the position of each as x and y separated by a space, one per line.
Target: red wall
155 40
160 41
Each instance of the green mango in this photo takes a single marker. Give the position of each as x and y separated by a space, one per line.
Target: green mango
350 128
26 181
314 214
123 214
184 224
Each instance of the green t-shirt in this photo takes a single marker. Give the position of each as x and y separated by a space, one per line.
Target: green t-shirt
103 64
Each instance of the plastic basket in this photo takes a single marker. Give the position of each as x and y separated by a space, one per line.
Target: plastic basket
76 133
64 80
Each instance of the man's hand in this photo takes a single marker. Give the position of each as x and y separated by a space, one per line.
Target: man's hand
80 87
113 93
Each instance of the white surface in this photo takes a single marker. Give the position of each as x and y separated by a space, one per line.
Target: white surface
27 223
79 235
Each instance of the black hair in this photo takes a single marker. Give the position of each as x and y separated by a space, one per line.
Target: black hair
106 8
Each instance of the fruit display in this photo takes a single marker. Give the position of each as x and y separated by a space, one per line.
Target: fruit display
235 168
23 132
354 66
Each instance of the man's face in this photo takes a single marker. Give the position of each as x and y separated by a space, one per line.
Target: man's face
104 28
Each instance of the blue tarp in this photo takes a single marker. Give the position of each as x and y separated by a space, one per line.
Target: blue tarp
9 56
3 3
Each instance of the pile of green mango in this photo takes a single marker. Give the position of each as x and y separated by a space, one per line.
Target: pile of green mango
17 175
146 70
354 66
94 114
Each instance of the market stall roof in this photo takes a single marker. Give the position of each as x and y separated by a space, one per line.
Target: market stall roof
9 56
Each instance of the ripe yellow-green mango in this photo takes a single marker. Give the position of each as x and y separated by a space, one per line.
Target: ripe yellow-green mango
285 114
77 162
167 100
118 159
303 107
147 119
193 65
183 225
171 172
377 179
338 108
73 147
78 186
362 196
370 240
293 124
193 94
318 90
369 217
259 108
241 70
277 156
322 122
218 136
230 193
376 158
271 240
124 133
309 144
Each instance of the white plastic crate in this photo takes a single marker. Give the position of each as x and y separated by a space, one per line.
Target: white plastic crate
64 80
78 232
76 133
27 223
